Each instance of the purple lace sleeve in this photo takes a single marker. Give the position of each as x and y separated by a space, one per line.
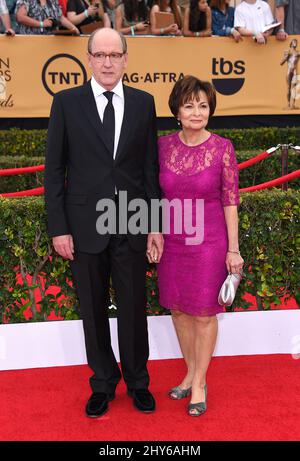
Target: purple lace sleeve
230 177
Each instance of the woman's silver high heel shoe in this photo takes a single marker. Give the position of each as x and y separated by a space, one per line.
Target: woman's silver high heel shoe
197 409
176 393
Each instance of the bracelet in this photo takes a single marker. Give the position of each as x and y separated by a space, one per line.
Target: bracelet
42 25
162 31
197 34
237 252
281 30
132 30
232 30
86 13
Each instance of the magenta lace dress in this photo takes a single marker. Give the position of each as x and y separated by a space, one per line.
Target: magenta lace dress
190 276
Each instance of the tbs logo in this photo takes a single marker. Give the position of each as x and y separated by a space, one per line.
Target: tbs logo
227 86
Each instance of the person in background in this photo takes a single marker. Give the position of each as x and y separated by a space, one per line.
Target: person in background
83 12
223 19
251 17
168 6
132 16
4 15
197 19
110 7
288 13
63 6
40 17
197 164
183 4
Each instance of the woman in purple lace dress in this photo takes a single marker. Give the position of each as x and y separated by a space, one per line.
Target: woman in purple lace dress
196 164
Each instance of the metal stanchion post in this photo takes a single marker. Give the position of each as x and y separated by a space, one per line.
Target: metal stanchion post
284 163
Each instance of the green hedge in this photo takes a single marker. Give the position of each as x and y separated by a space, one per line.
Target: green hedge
22 181
268 169
32 142
269 240
258 138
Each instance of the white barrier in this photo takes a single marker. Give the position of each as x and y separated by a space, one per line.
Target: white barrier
61 343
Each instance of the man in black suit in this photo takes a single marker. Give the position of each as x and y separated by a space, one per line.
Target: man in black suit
102 141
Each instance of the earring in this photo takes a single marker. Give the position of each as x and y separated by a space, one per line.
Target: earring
178 122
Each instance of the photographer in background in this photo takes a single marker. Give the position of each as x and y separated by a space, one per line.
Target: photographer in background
83 12
4 15
41 17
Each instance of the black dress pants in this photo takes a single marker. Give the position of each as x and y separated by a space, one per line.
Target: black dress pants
91 275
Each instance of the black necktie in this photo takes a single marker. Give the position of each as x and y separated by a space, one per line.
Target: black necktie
109 121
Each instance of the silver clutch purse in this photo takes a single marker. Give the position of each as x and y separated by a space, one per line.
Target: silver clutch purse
228 289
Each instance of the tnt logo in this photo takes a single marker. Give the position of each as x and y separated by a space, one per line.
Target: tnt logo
229 85
63 71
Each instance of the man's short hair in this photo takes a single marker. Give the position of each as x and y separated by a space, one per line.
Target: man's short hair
91 38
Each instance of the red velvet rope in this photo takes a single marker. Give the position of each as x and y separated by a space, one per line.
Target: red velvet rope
33 169
247 163
27 169
274 182
253 160
24 193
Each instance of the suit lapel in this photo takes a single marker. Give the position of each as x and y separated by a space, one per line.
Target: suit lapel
128 121
89 107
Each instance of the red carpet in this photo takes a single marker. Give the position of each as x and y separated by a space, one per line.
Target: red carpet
249 398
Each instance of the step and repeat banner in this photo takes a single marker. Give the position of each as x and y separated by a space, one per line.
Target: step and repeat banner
250 79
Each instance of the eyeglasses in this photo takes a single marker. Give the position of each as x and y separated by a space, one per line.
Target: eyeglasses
114 58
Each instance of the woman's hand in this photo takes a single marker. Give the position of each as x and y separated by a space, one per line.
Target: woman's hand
92 10
172 29
48 23
152 254
75 30
155 246
141 26
234 263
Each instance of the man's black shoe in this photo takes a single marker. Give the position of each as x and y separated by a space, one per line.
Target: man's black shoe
143 400
98 404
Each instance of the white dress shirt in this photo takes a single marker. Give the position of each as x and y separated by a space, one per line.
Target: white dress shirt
117 101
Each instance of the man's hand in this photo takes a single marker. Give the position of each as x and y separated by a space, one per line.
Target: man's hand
64 246
155 246
281 35
236 35
261 39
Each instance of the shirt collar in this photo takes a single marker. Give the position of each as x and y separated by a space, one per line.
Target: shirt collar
99 89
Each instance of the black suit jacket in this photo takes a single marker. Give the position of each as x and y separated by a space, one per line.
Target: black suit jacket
80 169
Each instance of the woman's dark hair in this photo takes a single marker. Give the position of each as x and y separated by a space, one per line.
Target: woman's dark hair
174 7
188 88
135 10
197 20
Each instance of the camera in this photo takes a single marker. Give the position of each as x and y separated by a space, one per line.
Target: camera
55 23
